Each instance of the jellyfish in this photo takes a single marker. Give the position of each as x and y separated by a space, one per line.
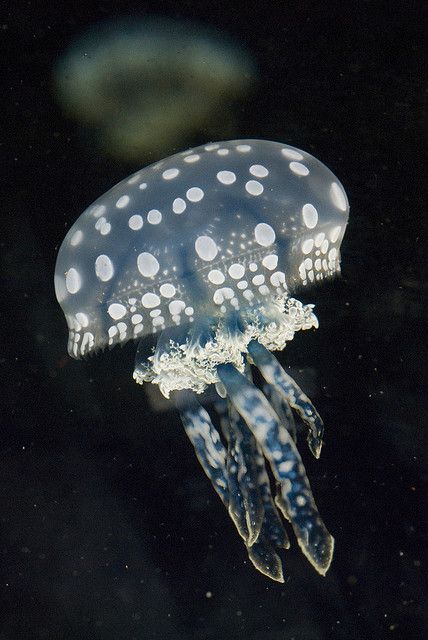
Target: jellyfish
145 85
204 251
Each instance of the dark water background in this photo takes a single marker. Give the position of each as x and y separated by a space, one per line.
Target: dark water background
108 527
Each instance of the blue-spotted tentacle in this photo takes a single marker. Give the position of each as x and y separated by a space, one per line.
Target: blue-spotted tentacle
265 559
273 528
244 460
281 408
236 506
275 375
203 435
278 447
212 456
271 534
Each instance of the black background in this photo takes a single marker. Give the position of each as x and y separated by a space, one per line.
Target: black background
108 527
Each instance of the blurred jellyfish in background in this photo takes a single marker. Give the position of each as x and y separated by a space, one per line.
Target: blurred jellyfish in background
145 86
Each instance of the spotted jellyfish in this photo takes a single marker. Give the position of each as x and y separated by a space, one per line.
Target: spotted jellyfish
205 249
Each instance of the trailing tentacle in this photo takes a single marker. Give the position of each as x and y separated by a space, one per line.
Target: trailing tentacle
273 529
268 534
215 461
236 506
281 408
206 441
296 501
275 375
244 448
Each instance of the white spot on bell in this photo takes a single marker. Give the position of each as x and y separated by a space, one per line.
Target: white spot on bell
135 222
192 158
194 194
299 169
226 177
169 174
154 216
206 248
76 238
150 300
259 171
277 278
167 290
122 329
82 318
104 269
248 295
103 226
319 239
307 246
122 202
216 277
332 254
264 234
176 307
179 205
291 154
236 271
73 281
310 215
335 233
147 264
116 311
270 261
254 187
324 246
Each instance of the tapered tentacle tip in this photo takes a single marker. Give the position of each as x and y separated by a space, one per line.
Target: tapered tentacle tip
254 526
281 539
239 522
315 445
266 560
252 537
318 547
248 528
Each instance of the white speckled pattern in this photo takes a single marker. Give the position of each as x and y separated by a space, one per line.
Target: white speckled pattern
220 227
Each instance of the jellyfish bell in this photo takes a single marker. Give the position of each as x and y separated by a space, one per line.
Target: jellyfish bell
205 249
145 85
